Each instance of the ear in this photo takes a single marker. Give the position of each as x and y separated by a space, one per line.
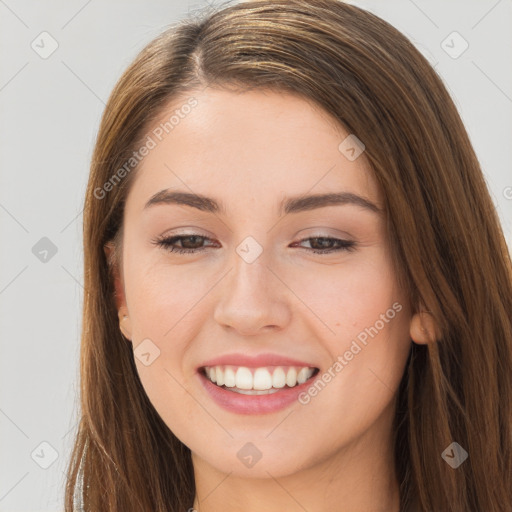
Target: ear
119 295
423 328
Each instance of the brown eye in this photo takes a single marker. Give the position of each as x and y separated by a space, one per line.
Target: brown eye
193 243
189 243
326 245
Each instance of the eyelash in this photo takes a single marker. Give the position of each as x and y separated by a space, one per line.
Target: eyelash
167 243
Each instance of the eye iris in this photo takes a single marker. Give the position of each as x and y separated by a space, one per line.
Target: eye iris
197 239
188 244
325 243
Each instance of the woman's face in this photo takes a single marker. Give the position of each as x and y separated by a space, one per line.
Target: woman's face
255 301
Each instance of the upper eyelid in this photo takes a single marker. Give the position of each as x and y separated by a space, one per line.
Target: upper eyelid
317 231
169 242
207 237
175 238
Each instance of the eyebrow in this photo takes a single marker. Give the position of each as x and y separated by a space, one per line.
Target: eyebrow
288 205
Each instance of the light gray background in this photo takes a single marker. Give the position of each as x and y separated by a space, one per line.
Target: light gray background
50 112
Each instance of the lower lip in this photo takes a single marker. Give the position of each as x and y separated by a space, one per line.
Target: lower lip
253 404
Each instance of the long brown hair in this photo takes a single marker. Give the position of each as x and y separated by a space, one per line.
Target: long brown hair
449 250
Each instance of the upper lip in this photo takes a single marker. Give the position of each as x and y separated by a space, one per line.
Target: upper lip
255 361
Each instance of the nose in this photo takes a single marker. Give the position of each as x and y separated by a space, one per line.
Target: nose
252 299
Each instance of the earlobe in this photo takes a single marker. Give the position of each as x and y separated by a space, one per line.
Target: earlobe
423 328
125 323
122 310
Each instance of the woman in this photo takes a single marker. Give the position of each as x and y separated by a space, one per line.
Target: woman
298 294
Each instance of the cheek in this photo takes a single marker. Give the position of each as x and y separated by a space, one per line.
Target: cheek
166 389
368 337
161 296
161 304
349 296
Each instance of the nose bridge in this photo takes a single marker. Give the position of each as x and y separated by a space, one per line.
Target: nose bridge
250 297
249 275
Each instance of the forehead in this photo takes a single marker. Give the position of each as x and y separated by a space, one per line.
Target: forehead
252 147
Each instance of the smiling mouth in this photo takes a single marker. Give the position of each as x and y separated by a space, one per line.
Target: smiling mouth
258 381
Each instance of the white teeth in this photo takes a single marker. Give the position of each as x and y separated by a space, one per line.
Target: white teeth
262 379
291 377
257 380
254 391
303 375
229 377
279 378
243 378
219 375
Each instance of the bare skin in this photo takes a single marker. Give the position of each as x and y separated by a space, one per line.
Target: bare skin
249 151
